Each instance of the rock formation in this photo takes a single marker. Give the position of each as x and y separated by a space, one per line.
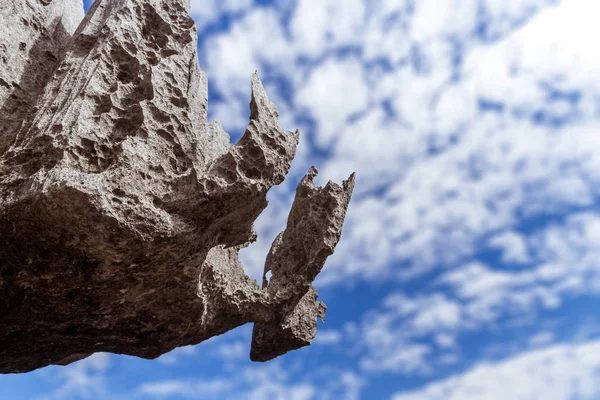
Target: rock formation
122 209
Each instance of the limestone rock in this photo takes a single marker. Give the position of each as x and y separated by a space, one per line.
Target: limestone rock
122 209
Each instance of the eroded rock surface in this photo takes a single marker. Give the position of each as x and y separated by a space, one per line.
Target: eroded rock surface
122 209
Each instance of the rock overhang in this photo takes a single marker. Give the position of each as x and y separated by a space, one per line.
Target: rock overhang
123 209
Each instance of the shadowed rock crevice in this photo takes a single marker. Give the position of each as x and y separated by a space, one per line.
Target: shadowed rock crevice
122 209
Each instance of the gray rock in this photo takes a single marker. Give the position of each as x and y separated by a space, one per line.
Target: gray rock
122 209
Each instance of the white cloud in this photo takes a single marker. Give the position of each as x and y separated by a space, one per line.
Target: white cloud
232 351
413 334
168 388
512 245
393 337
176 355
318 25
433 19
327 337
334 91
205 12
440 205
268 381
375 146
445 340
559 372
551 48
501 17
84 379
556 42
541 339
386 32
567 264
350 385
443 315
404 358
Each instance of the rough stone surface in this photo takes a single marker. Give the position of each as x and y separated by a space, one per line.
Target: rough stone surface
122 209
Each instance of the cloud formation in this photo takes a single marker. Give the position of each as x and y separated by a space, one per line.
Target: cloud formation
468 266
556 373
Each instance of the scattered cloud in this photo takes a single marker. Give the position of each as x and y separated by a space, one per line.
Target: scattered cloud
475 297
196 389
84 379
542 339
232 351
176 355
269 381
513 247
327 337
312 30
555 373
207 12
334 91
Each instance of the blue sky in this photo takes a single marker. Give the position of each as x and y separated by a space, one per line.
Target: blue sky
468 267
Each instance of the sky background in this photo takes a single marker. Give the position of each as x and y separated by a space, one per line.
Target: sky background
469 263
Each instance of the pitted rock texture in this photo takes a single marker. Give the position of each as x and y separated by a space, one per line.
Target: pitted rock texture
122 209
